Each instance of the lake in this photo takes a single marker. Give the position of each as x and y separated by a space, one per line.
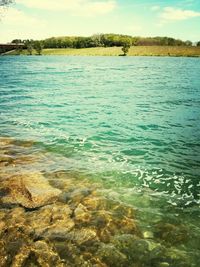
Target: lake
129 124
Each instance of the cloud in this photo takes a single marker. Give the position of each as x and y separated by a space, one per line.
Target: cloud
15 24
174 14
76 7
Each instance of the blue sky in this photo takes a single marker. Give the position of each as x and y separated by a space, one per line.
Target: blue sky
40 19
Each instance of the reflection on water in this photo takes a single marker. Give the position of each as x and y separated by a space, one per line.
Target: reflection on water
65 218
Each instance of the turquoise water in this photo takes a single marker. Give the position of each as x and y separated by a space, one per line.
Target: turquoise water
131 121
132 124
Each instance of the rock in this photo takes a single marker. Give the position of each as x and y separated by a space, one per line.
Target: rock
127 226
59 212
176 258
114 224
111 256
148 235
94 203
59 232
37 254
81 214
51 221
102 218
77 195
144 247
30 191
170 233
16 217
141 251
121 210
124 243
3 254
46 256
104 235
82 235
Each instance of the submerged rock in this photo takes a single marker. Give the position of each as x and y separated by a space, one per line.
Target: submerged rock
148 235
177 258
81 214
51 222
28 190
82 236
111 256
171 233
37 254
76 195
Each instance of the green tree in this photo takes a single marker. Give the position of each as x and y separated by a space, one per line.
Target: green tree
188 43
16 41
19 50
126 46
38 46
30 48
198 43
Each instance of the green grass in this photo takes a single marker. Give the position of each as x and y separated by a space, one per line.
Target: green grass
116 51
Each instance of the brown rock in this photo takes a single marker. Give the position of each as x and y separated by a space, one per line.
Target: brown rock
51 221
37 254
83 235
3 254
29 190
82 214
93 203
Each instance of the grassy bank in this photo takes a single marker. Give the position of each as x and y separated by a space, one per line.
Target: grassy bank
116 51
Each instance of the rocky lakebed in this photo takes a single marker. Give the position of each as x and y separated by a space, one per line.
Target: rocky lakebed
59 219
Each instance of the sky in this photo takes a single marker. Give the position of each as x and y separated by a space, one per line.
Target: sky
39 19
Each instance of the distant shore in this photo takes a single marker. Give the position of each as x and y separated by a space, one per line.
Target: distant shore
176 51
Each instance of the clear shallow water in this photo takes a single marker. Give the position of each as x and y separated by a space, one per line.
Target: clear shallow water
131 124
130 121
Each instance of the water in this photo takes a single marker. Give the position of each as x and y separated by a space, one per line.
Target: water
129 123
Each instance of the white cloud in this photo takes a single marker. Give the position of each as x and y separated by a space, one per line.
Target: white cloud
173 14
76 7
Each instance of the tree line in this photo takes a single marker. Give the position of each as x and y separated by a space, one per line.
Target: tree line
100 40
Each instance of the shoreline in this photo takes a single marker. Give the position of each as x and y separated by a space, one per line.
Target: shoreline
157 51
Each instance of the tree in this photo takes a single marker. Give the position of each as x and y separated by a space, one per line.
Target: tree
38 47
30 48
6 2
198 43
126 46
188 43
19 50
16 41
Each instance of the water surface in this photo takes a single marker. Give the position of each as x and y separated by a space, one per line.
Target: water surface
130 123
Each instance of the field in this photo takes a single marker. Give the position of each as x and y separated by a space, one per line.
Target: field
116 51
